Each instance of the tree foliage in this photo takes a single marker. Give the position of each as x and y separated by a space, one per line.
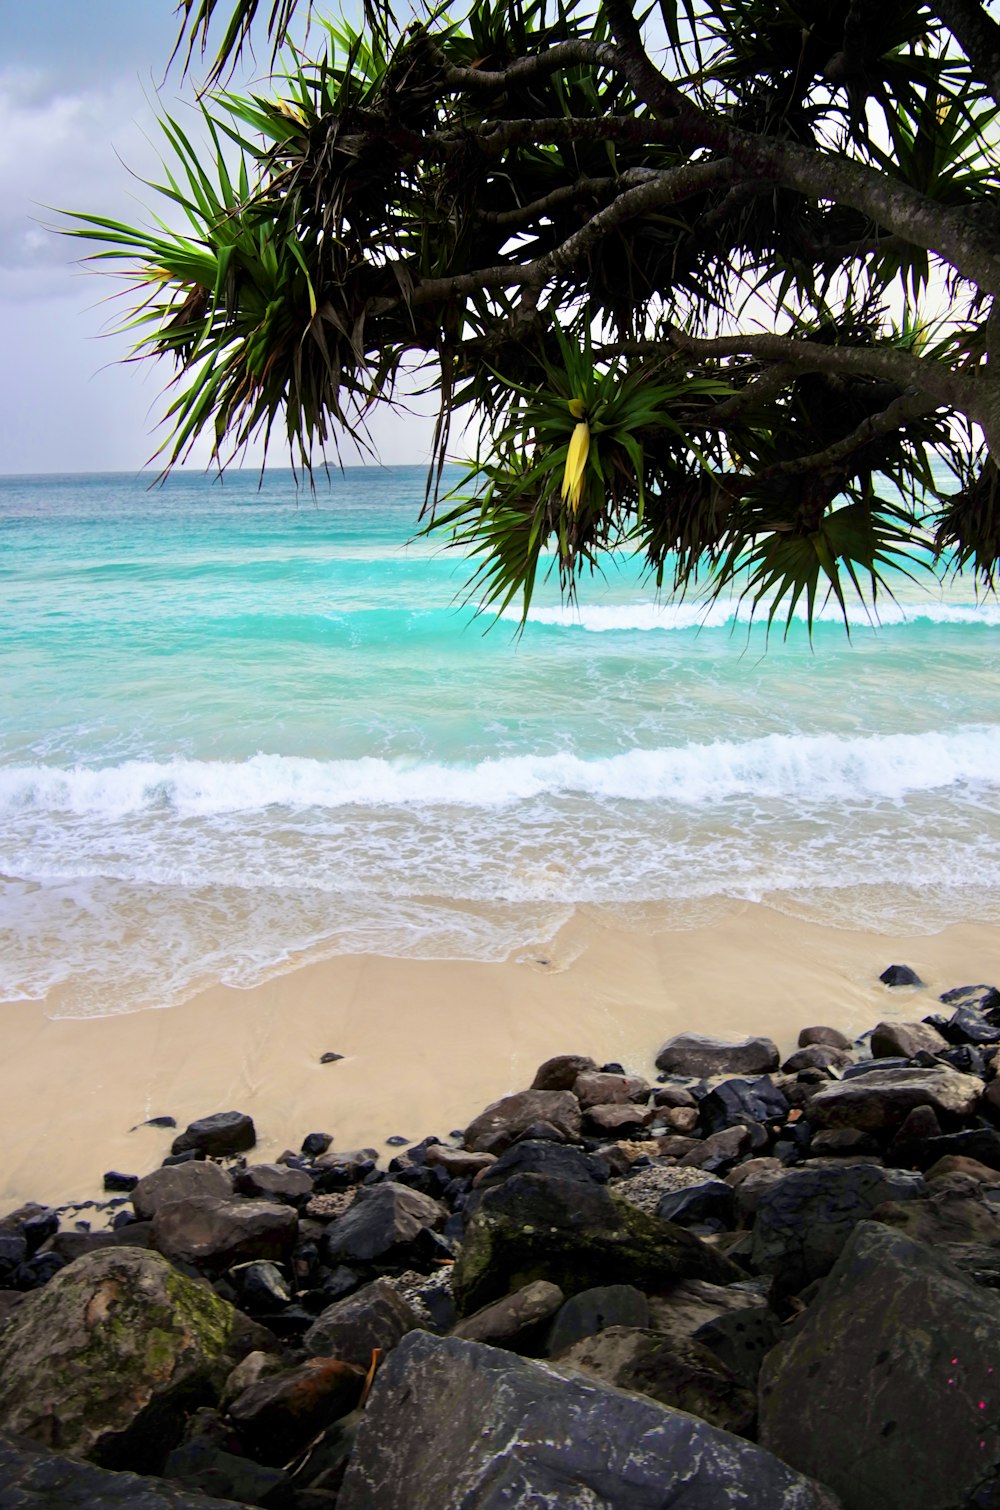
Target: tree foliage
716 280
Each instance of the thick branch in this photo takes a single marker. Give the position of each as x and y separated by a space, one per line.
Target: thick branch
660 189
563 55
568 194
909 405
978 35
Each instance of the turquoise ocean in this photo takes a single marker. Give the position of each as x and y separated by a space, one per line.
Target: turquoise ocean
243 726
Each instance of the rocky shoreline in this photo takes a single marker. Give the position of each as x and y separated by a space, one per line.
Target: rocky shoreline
741 1283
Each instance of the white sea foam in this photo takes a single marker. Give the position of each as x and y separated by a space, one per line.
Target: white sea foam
605 618
797 769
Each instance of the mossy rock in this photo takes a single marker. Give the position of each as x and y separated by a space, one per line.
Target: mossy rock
577 1236
106 1359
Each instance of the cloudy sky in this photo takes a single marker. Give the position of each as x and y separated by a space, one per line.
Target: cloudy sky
79 85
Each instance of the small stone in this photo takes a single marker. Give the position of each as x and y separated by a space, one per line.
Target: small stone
330 1057
719 1153
316 1143
274 1182
458 1163
114 1180
900 975
816 1056
397 1141
155 1122
711 1201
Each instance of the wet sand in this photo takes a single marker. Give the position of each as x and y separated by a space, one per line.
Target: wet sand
427 1044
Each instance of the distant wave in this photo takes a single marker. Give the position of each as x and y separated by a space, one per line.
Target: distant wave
804 769
607 617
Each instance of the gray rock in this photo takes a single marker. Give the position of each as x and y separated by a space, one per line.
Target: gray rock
711 1200
594 1088
216 1233
488 1429
953 1209
741 1103
376 1316
880 1100
383 1218
741 1340
559 1074
694 1054
105 1360
458 1162
905 1039
804 1219
588 1313
693 1303
881 1390
274 1182
718 1153
539 1156
511 1316
816 1056
223 1133
505 1121
31 1479
179 1182
832 1036
617 1120
900 975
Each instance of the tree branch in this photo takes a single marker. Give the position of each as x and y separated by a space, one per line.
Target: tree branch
909 405
978 35
562 55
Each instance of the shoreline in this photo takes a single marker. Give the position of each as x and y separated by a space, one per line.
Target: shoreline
428 1043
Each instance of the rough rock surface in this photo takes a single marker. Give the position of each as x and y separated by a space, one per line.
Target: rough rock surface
559 1073
31 1479
575 1235
279 1414
511 1315
804 1219
101 1361
383 1218
376 1316
879 1100
274 1182
906 1039
485 1428
505 1121
215 1233
588 1313
890 1362
179 1182
223 1133
694 1054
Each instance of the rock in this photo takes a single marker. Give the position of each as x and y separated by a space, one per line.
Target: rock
979 1143
115 1181
107 1357
741 1103
457 1163
544 1433
179 1182
223 1133
593 1088
880 1100
31 1479
330 1057
279 1414
979 998
617 1120
684 1375
575 1235
539 1156
846 1141
804 1219
376 1316
900 1341
383 1221
254 1367
905 1039
900 975
953 1210
560 1073
214 1233
646 1187
711 1201
693 1303
591 1311
262 1287
956 1163
316 1143
509 1318
673 1095
274 1182
720 1152
680 1119
203 1463
832 1036
967 1025
693 1054
741 1340
816 1056
675 1146
511 1118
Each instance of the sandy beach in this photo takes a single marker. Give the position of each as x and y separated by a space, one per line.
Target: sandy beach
427 1044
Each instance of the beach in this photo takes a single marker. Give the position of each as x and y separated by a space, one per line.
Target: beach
428 1043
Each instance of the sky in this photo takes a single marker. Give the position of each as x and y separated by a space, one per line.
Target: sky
79 87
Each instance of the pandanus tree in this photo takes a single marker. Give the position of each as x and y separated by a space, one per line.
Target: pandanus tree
715 281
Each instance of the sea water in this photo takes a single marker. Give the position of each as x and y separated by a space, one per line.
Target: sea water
244 725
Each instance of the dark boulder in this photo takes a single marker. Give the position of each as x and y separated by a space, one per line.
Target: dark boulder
979 1143
557 1161
513 1117
179 1182
274 1182
709 1203
883 1390
31 1479
559 1074
547 1438
832 1036
694 1054
878 1101
900 975
214 1234
589 1312
514 1320
804 1219
381 1224
741 1103
905 1039
816 1056
282 1412
223 1133
376 1316
742 1340
595 1088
